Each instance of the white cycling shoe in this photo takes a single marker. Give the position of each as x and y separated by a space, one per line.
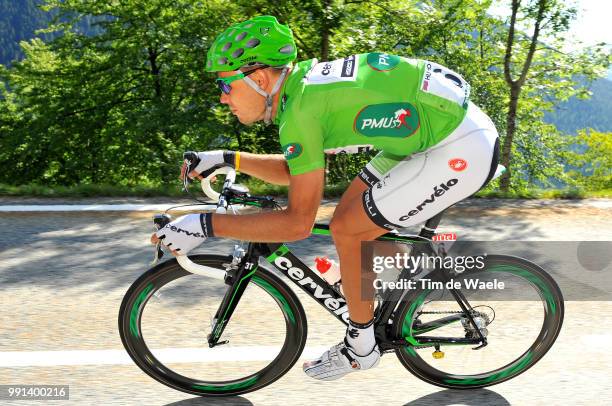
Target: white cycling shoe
339 361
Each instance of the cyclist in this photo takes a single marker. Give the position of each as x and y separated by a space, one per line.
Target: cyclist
436 148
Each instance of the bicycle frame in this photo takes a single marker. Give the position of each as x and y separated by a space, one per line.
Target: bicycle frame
279 255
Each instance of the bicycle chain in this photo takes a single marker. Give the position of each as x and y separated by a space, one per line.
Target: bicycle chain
441 312
422 347
474 312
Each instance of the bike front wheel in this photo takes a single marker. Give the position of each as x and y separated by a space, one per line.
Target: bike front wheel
166 316
520 320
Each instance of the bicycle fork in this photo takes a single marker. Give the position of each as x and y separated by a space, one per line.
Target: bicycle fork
237 280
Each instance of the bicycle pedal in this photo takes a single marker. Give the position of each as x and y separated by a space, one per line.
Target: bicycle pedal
437 354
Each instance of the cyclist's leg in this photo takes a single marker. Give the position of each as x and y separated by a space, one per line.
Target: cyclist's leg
408 191
342 358
354 191
350 226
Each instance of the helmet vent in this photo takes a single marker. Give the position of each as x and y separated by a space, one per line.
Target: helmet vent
253 42
287 49
222 60
227 46
241 36
237 53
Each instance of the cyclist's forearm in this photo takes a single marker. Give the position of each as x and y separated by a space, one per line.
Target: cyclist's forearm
270 168
277 226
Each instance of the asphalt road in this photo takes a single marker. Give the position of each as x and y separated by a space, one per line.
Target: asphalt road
63 275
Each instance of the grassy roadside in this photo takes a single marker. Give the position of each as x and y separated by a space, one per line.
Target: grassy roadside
257 187
88 190
547 194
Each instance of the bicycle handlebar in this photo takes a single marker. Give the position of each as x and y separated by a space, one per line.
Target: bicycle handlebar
222 203
191 159
230 178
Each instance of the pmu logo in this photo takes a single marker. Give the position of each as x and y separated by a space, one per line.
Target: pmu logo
382 62
292 150
388 120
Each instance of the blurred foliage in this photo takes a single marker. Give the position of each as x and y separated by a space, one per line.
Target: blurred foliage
118 102
592 159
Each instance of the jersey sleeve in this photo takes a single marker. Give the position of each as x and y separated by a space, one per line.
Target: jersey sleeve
301 138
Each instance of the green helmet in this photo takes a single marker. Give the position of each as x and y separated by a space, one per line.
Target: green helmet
261 40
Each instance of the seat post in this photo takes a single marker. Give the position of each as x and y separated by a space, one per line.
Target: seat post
429 229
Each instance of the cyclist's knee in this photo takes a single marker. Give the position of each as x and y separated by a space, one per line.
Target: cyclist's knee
340 225
344 224
350 221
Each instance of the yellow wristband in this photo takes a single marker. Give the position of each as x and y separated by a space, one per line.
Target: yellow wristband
237 160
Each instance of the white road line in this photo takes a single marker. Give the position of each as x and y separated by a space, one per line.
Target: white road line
165 355
186 355
598 341
601 204
96 207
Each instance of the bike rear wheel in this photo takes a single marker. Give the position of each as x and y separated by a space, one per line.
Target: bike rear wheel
521 322
166 315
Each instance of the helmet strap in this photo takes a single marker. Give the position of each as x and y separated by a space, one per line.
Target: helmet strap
268 96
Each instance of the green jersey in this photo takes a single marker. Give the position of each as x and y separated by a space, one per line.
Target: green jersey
367 101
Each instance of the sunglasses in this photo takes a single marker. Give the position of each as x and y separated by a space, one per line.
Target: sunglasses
224 84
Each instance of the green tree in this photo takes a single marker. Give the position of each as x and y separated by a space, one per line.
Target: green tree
119 103
115 107
551 75
592 156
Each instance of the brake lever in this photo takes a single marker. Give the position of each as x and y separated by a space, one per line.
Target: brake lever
186 183
159 222
191 160
158 254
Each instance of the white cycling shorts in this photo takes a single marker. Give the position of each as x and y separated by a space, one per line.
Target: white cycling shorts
405 191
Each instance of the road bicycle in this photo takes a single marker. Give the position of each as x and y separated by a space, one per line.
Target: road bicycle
223 325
